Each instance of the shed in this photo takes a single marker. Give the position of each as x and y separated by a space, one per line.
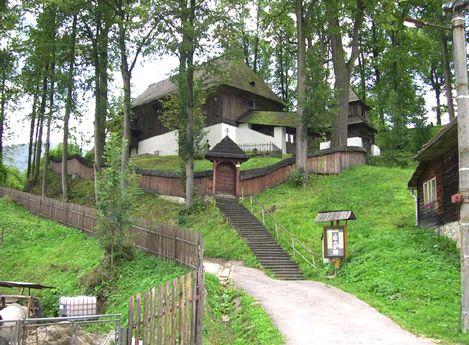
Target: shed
436 178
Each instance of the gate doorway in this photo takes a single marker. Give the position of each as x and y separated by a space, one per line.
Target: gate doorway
225 179
226 157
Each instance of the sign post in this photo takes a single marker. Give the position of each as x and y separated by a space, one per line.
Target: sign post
334 236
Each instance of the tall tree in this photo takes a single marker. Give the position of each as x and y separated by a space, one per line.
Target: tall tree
302 126
68 106
137 23
343 67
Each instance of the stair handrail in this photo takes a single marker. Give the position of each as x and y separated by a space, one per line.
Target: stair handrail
293 239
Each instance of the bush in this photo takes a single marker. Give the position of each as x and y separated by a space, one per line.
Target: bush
56 152
11 177
295 179
117 191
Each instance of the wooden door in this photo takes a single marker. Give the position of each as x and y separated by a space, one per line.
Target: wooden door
225 180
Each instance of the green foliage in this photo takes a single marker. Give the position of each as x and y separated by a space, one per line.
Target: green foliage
117 191
296 178
410 274
11 177
171 118
320 106
233 317
56 152
42 251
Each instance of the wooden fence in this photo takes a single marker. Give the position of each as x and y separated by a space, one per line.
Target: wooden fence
170 242
163 315
252 181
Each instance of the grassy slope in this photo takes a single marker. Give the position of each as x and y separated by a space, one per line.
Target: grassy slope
174 163
409 274
43 251
221 241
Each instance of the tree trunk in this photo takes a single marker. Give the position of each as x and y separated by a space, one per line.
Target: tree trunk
342 68
447 74
42 112
2 114
45 167
31 133
68 109
438 106
126 77
189 78
302 127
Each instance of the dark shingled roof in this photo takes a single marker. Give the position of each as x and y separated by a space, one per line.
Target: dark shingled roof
446 139
214 73
226 148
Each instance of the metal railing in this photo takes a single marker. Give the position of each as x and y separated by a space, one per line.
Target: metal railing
297 247
103 329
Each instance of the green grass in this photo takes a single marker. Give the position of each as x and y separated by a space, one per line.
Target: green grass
42 251
233 317
174 163
410 274
221 241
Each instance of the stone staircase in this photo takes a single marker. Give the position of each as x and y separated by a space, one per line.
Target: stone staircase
267 250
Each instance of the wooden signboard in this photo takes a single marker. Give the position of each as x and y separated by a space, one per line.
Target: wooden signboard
334 241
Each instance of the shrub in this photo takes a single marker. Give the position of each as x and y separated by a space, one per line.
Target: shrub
117 191
295 179
56 152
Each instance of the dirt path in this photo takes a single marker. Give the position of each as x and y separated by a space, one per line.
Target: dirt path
308 312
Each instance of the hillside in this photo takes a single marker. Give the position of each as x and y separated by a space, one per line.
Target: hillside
407 273
46 252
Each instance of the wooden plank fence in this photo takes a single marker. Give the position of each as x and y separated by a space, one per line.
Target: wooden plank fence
170 242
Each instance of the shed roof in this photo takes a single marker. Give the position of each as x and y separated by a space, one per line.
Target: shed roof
445 140
226 148
332 216
216 72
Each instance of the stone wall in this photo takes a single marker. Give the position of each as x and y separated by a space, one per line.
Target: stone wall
450 230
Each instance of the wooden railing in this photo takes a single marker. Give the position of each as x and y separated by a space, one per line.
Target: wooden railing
170 242
284 236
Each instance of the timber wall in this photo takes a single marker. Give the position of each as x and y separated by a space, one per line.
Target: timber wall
330 161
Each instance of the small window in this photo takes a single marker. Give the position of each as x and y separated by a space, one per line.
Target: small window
252 83
251 103
429 191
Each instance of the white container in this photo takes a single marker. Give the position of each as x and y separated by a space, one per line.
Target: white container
375 150
77 306
325 145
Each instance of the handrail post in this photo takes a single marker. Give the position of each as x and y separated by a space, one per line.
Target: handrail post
251 203
263 215
276 229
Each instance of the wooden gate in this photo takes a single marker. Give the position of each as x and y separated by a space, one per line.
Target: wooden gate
225 180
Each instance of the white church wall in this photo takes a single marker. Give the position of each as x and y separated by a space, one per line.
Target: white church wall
163 145
353 141
167 144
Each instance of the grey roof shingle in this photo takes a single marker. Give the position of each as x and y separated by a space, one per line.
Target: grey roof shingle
214 73
226 148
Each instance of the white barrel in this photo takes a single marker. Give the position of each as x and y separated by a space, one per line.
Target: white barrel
77 306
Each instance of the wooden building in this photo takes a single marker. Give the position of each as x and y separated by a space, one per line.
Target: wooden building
436 180
238 104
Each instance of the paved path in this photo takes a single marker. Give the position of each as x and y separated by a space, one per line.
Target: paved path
308 312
